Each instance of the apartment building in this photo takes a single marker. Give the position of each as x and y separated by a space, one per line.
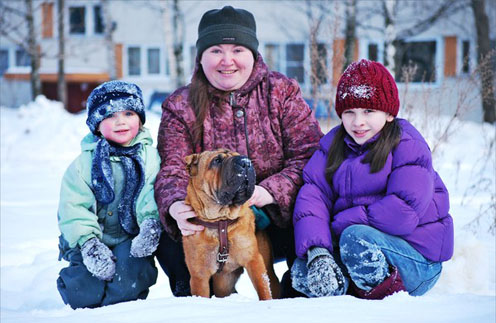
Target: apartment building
140 47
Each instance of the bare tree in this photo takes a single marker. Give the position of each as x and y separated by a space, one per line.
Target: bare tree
18 26
61 84
33 51
109 28
421 17
483 51
390 11
350 32
178 41
174 26
316 60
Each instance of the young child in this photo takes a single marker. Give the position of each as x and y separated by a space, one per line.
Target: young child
372 213
107 213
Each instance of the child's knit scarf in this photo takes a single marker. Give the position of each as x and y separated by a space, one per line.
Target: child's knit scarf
103 180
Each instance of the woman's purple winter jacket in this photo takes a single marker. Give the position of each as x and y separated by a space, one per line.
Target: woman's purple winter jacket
406 198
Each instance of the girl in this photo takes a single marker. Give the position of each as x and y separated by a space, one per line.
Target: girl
372 213
107 213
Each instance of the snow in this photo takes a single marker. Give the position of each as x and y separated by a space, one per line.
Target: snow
38 142
361 91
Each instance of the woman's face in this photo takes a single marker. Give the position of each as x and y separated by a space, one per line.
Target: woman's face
227 66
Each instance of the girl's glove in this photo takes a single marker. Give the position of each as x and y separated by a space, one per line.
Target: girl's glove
98 259
325 278
146 242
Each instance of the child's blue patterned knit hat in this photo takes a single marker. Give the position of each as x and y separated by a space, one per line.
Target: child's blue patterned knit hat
111 97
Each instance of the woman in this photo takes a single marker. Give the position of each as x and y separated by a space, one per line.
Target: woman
233 102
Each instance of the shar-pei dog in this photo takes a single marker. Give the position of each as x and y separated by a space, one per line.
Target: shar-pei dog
220 184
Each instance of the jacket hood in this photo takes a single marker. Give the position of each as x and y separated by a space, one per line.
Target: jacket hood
90 141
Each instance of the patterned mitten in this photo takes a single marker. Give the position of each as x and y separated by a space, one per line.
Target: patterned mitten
98 259
146 242
325 278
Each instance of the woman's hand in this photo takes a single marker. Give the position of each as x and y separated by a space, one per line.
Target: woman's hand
181 212
261 197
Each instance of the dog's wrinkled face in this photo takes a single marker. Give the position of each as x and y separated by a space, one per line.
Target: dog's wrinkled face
225 176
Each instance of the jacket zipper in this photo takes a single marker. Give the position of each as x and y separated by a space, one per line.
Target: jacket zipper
232 102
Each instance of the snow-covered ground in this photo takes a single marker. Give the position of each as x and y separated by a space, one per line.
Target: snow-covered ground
38 141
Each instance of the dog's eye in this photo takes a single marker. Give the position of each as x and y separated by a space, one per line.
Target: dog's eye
216 161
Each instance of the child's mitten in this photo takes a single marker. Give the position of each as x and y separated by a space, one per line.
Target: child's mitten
98 259
325 278
146 242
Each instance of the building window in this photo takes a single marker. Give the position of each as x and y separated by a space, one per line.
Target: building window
153 61
373 52
134 60
22 58
98 20
77 16
4 60
419 57
465 57
294 62
271 57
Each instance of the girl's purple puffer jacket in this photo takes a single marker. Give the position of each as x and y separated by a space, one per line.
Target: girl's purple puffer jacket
407 198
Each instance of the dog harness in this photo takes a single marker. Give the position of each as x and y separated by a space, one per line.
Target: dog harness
221 227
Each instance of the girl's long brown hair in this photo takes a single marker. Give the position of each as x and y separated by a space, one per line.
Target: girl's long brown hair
378 153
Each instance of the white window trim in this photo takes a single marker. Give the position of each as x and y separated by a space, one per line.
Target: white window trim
161 76
12 67
89 20
438 58
363 49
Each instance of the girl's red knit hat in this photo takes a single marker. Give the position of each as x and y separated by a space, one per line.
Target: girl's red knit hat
367 85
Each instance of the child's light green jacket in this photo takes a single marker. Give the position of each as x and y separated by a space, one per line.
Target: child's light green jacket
79 216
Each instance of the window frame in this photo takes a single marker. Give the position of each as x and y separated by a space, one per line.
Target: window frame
159 59
144 71
6 50
84 22
303 65
89 20
22 50
438 58
128 65
460 58
277 49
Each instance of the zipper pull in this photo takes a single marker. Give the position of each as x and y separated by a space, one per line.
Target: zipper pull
232 99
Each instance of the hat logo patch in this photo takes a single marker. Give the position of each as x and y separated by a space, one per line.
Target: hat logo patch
228 39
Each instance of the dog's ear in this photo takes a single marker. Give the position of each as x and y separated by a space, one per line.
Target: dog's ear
192 164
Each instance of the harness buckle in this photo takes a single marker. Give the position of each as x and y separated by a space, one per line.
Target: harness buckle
222 257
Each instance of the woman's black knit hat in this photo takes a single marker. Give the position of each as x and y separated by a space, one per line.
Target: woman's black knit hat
227 26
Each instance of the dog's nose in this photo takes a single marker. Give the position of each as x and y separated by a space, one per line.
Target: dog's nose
243 161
